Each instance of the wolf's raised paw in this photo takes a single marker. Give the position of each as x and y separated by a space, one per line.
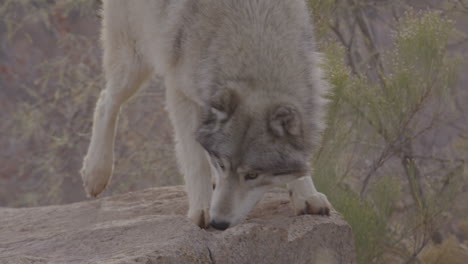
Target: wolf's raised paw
200 217
313 204
94 180
93 184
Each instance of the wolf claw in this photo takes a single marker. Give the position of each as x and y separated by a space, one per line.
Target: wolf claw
315 204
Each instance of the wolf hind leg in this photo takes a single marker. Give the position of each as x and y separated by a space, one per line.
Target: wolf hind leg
306 199
124 73
193 163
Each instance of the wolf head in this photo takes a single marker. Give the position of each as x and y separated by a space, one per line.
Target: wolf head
252 144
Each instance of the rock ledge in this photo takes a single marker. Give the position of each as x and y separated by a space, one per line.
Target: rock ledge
149 226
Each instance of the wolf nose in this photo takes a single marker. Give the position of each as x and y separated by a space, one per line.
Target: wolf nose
219 225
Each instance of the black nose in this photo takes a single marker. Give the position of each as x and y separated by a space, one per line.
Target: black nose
219 225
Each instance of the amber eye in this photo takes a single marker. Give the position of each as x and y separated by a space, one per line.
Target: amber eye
251 176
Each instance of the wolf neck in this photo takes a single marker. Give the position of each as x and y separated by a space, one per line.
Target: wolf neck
264 49
264 61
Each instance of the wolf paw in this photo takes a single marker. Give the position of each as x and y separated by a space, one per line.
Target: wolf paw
200 217
95 179
316 203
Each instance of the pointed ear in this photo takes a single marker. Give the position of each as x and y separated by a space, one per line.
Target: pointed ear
218 110
285 120
223 103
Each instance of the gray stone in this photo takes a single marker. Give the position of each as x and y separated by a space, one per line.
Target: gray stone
149 226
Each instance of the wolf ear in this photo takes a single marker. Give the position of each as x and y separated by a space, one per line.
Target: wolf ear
218 110
221 106
285 120
223 103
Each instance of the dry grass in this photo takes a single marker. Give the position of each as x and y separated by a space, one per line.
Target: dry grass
448 252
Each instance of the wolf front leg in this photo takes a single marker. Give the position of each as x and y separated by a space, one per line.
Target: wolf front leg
185 116
125 73
306 199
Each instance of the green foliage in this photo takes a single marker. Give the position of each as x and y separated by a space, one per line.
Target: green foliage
321 13
383 113
368 218
418 69
368 225
421 40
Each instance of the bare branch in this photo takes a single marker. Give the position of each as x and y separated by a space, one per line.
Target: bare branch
386 154
347 44
369 42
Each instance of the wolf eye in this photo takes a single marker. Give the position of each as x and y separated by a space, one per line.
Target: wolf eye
251 176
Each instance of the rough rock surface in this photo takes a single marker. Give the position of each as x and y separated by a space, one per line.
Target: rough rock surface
150 227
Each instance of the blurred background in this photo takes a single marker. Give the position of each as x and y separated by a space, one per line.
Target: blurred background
393 159
50 77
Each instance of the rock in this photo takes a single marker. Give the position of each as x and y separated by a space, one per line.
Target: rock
149 226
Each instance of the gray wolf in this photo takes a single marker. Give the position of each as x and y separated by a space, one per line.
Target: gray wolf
244 95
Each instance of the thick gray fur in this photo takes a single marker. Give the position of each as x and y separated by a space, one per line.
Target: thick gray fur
244 94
